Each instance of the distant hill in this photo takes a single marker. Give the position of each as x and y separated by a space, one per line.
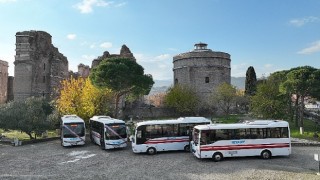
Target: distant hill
160 83
239 82
163 85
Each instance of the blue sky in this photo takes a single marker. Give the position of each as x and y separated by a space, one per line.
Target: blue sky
270 35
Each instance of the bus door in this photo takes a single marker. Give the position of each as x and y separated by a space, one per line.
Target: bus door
140 135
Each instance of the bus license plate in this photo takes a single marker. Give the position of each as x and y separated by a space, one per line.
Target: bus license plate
233 152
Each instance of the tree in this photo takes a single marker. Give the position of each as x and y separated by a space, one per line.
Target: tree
268 102
251 80
123 76
79 96
302 81
29 116
224 97
183 99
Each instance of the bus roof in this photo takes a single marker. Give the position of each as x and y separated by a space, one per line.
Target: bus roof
106 119
246 124
181 120
71 119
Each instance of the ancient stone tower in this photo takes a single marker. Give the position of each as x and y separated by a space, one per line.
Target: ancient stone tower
202 69
39 66
3 81
124 53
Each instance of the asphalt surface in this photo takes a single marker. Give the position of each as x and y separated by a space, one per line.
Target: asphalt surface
48 160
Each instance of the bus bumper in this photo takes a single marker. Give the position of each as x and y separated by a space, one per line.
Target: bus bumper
72 143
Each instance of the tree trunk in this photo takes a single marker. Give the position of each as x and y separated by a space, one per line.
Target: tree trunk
30 135
296 111
291 111
301 109
116 109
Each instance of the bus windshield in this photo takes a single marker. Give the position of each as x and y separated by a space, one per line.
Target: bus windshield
71 130
116 131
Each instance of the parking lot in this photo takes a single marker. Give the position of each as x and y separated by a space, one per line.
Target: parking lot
48 160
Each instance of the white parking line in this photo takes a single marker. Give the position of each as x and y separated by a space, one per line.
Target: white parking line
78 155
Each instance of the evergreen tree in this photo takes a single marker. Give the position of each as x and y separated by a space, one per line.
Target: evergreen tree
251 82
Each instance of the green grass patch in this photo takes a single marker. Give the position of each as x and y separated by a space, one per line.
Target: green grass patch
310 128
233 118
11 134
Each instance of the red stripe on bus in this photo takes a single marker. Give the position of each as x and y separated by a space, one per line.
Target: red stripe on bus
240 147
166 141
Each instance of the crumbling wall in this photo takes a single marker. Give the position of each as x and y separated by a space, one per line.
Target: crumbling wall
39 66
3 81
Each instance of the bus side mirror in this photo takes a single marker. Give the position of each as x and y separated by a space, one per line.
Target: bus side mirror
131 139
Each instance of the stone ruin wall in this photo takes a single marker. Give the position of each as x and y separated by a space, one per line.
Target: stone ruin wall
10 96
39 66
83 70
124 53
3 81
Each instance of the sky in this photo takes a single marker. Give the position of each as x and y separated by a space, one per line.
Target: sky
270 35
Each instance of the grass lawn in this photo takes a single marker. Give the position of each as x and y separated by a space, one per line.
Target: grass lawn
310 127
23 136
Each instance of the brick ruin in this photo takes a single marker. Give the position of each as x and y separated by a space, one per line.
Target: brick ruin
39 66
124 53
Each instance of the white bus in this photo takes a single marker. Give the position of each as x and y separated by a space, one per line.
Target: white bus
165 135
264 138
107 132
73 130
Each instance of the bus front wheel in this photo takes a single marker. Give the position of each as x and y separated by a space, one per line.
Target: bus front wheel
151 151
217 157
266 154
187 148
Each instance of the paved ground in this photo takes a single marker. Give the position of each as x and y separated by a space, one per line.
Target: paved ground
49 160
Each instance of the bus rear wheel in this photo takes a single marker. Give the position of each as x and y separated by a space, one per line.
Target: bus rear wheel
151 151
217 157
266 154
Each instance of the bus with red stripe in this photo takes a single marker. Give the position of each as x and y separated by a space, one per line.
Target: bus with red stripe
107 132
165 135
73 130
264 138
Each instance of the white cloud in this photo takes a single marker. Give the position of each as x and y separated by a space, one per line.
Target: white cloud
71 36
120 4
163 57
92 46
172 49
160 67
313 48
88 57
7 1
239 70
106 45
268 65
302 21
86 6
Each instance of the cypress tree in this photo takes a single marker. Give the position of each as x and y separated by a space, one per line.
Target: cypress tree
251 82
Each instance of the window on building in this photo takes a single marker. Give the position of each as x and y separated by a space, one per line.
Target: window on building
176 81
44 79
207 80
44 66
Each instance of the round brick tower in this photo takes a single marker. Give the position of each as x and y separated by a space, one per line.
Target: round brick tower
202 69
